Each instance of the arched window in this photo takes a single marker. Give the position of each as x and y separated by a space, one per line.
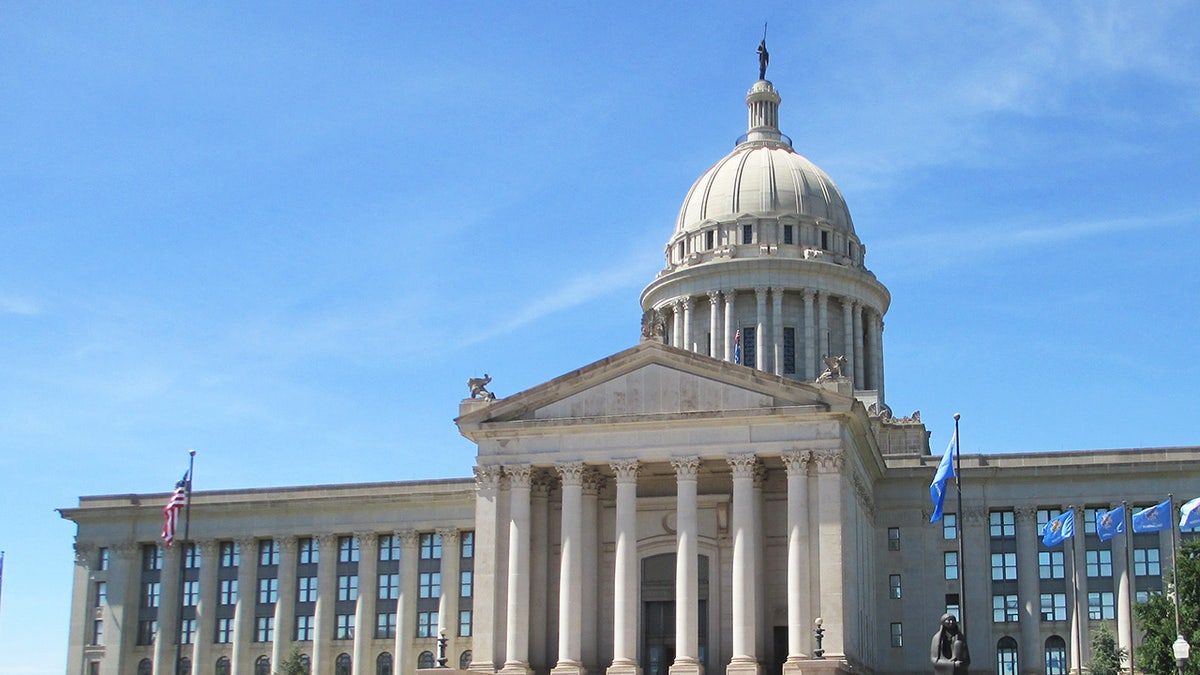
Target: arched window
262 665
185 666
222 666
145 667
342 665
425 660
1006 656
1056 656
464 660
305 663
383 664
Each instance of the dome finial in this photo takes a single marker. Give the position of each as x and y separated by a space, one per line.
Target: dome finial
764 57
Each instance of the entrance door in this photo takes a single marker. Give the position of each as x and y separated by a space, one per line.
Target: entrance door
658 613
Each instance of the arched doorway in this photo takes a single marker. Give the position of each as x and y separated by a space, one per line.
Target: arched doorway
658 613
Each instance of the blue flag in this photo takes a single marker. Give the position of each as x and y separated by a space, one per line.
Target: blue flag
1189 514
1111 523
1059 529
945 471
737 347
1153 519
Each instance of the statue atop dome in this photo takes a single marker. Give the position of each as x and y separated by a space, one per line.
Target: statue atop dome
764 57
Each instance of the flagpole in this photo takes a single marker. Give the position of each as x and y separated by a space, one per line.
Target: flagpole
183 550
1131 574
958 530
1174 560
1077 629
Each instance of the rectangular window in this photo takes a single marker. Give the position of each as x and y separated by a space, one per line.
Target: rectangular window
1004 566
101 596
894 586
950 564
385 625
151 558
464 623
268 591
344 627
191 557
224 634
147 628
467 579
304 628
264 629
952 605
893 539
1145 562
789 236
468 544
191 593
1050 565
1003 523
389 548
427 624
309 551
1054 606
1004 609
347 549
268 553
150 594
348 587
750 347
1090 518
949 526
747 234
306 589
187 629
825 239
709 239
789 350
1100 606
431 546
429 585
389 586
102 560
97 632
230 556
1046 515
227 592
1099 563
897 634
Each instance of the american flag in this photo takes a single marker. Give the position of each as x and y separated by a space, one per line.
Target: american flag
171 511
737 347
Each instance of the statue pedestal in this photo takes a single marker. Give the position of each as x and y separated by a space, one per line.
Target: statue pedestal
816 667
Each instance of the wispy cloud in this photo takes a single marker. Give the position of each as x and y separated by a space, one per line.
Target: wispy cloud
20 306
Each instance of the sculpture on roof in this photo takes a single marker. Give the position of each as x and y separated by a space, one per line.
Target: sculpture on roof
478 387
653 326
835 367
948 653
764 57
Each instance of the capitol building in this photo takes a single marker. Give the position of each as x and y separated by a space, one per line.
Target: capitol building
710 500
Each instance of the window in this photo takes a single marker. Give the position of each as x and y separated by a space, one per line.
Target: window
1100 605
429 585
348 587
383 664
949 526
187 631
464 623
747 234
224 630
304 628
151 558
750 347
389 548
264 629
431 546
230 556
385 625
1145 562
1050 565
150 594
1054 606
347 549
97 632
191 557
789 236
309 550
262 666
343 627
467 579
389 586
427 624
146 631
101 597
268 591
191 593
306 589
268 553
342 665
1004 608
227 592
425 660
1006 656
897 634
894 586
102 559
952 605
789 350
1003 523
1099 563
145 667
709 239
825 239
950 564
223 665
1046 515
1056 656
893 539
468 544
1004 566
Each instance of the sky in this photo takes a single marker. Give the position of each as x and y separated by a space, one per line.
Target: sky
286 234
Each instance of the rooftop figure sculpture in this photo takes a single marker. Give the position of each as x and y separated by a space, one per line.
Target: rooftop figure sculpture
764 57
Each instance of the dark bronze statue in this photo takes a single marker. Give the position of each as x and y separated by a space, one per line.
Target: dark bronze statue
949 649
763 59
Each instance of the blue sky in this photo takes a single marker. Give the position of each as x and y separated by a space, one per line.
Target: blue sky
286 234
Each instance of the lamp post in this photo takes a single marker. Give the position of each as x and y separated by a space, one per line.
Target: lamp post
819 633
1182 649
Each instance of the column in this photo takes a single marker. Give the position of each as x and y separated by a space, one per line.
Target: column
364 609
745 568
593 483
859 366
168 611
877 366
82 599
570 607
451 589
206 604
714 310
777 328
625 576
1028 594
822 324
539 569
687 569
810 338
830 491
760 304
730 330
677 323
405 659
285 605
322 646
687 325
243 612
483 655
517 642
848 338
799 619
